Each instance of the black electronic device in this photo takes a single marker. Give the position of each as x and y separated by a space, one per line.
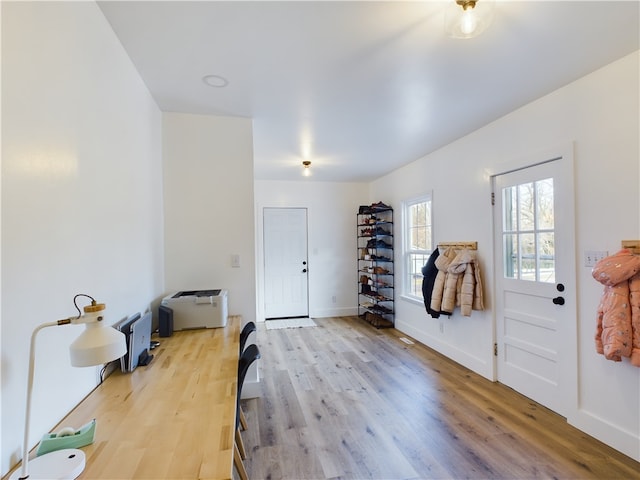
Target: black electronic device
165 327
145 358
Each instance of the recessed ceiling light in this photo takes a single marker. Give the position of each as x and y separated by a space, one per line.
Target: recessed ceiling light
215 81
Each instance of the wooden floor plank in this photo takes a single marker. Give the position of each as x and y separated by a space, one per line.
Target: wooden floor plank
344 400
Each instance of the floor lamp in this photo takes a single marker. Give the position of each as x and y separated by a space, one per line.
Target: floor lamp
98 344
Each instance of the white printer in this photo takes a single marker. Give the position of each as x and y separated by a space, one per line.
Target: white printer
197 308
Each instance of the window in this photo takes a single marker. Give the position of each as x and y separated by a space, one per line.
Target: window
418 243
528 235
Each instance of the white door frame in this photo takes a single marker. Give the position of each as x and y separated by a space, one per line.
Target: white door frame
259 218
564 151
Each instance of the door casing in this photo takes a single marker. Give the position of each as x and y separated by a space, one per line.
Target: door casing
568 374
286 282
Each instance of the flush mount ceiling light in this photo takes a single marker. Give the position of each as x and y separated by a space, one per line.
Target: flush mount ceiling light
468 18
215 81
307 168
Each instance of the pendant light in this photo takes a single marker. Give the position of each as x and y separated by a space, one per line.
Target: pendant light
307 168
468 18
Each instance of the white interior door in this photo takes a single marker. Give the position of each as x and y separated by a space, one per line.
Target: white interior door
535 282
285 262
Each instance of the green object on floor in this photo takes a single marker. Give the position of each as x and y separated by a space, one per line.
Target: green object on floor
55 441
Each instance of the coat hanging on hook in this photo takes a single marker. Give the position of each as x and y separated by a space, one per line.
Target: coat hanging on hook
458 282
618 315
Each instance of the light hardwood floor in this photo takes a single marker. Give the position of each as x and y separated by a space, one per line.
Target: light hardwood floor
344 400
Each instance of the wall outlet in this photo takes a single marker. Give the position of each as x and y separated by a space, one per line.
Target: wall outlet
591 257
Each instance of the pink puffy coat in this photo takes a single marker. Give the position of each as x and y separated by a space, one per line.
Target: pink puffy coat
618 321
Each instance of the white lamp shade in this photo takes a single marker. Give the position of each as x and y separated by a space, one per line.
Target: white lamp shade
98 344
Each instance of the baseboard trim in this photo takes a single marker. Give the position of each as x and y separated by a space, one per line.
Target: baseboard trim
613 435
476 364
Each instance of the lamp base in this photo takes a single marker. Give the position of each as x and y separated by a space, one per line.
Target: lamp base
65 464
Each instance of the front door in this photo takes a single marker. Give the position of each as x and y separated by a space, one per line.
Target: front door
535 281
285 263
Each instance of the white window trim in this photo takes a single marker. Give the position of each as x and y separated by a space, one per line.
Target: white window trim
405 293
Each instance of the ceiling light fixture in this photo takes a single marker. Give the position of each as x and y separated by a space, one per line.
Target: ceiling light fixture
468 18
307 168
215 81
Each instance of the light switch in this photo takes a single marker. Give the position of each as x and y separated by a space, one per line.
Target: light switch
591 257
235 260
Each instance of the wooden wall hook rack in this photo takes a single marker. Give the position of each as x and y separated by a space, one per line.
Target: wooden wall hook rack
632 245
467 245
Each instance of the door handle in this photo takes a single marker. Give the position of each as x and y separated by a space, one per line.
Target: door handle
304 270
558 300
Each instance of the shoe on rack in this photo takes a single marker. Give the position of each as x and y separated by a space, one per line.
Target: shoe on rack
380 206
382 244
382 308
380 258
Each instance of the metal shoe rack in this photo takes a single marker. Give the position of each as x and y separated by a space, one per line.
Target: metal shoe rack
375 265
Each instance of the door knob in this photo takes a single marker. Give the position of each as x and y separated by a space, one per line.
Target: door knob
304 263
558 300
304 270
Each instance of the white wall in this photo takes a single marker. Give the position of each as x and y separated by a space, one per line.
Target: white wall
81 198
82 192
331 217
600 115
208 187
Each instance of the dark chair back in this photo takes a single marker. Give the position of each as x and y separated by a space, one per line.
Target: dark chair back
244 334
250 355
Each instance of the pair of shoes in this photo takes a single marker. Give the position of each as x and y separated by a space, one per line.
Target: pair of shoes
382 309
378 243
372 220
379 206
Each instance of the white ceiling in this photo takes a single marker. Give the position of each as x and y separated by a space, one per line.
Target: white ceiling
361 88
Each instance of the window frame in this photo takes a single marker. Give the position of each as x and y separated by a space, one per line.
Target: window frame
408 276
